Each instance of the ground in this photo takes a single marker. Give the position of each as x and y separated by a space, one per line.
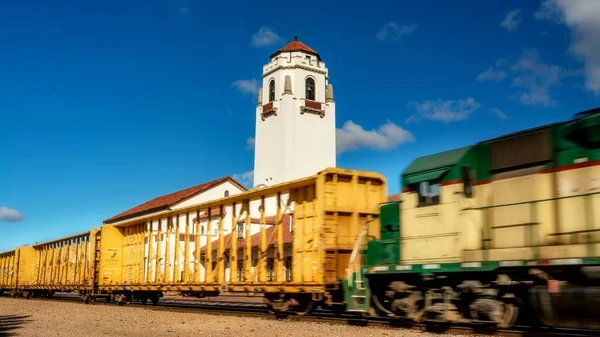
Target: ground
21 317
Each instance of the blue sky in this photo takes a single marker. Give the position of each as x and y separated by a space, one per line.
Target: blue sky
107 104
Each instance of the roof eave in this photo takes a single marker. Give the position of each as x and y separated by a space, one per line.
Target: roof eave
291 51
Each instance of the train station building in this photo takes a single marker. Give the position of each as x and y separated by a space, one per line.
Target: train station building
296 100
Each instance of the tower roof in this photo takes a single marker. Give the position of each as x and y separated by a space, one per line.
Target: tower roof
297 46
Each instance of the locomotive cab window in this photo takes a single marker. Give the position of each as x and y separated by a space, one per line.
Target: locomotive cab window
429 193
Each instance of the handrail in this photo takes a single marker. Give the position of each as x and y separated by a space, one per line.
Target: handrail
355 251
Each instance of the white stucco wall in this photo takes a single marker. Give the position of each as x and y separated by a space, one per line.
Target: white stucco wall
292 145
216 192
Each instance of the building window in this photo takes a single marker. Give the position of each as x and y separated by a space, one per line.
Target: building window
429 193
310 89
226 193
240 231
272 91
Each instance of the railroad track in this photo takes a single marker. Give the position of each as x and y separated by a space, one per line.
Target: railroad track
258 310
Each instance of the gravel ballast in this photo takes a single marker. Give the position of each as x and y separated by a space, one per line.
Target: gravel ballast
20 317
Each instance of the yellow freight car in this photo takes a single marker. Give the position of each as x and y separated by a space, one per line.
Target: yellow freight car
179 250
17 270
65 265
8 271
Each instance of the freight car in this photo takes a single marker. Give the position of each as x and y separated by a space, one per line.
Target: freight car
142 257
504 231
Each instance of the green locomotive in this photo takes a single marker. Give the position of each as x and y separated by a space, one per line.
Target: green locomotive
504 231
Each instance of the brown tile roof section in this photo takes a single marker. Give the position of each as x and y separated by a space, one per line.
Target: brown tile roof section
165 201
297 46
394 197
288 237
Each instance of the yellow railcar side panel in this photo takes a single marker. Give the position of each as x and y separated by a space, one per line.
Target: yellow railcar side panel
111 256
8 270
62 263
189 248
25 266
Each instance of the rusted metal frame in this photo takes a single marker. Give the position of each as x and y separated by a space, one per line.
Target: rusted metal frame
197 248
141 253
233 263
186 251
68 261
168 235
2 269
208 274
83 259
88 258
248 260
3 266
38 266
220 277
298 245
176 273
149 271
279 272
317 231
159 267
262 252
52 263
133 250
67 258
225 250
39 251
77 244
56 278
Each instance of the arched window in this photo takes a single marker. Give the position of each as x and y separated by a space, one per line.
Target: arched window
272 91
227 193
310 89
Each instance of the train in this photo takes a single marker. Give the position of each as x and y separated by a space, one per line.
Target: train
502 232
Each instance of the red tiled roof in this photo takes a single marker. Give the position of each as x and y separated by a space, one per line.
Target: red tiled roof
288 237
394 197
297 46
163 202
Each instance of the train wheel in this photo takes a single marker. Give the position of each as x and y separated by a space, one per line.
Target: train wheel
509 317
154 298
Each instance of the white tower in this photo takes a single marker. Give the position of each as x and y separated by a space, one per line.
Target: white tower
295 117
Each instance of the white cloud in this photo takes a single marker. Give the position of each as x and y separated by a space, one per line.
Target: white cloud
498 113
250 143
492 75
394 31
353 137
582 17
512 20
10 215
445 111
265 37
536 78
246 178
247 86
